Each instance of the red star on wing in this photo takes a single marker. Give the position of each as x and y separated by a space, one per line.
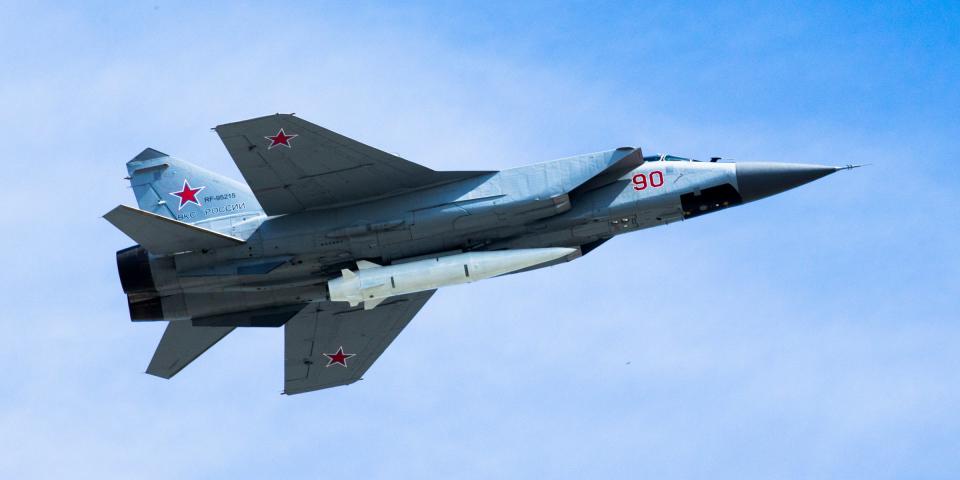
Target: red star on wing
187 195
339 358
281 138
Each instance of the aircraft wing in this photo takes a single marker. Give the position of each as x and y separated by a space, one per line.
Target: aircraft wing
328 345
294 165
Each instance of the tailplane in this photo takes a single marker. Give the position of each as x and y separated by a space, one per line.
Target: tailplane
164 236
181 344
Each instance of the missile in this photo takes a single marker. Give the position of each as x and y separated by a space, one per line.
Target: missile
372 283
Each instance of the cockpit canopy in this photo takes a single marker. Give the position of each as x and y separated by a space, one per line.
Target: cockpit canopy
667 158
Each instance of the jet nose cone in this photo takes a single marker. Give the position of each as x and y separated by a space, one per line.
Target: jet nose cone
762 179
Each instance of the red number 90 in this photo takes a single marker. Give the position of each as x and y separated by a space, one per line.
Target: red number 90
640 180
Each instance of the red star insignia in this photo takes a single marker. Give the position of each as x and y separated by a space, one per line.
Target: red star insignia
187 195
281 138
339 358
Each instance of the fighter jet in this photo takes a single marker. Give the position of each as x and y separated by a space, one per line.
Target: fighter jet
342 244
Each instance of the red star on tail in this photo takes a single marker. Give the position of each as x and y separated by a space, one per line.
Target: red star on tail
187 195
281 138
339 358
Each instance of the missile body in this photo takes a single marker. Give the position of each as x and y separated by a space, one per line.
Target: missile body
372 283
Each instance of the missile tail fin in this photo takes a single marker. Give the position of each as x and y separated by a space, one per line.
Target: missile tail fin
365 264
372 303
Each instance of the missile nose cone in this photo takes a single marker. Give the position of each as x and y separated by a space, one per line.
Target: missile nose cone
762 179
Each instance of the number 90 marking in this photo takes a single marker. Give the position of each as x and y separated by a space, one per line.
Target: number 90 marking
641 181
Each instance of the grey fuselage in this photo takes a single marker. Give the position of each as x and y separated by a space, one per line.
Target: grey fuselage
288 259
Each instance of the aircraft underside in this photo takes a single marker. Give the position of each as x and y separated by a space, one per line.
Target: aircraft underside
342 244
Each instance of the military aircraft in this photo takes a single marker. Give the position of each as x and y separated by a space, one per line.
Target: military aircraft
342 244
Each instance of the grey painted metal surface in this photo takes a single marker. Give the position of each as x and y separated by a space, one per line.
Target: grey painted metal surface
759 180
215 255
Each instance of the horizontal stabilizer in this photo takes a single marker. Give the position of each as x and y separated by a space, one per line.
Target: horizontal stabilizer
162 235
181 344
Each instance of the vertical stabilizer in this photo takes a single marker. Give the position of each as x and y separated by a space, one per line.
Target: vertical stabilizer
177 189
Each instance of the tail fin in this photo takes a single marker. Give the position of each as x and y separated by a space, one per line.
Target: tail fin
177 189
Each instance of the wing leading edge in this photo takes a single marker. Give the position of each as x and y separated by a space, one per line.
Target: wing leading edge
293 165
328 345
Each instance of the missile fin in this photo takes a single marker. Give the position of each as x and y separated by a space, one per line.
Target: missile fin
370 304
347 274
364 264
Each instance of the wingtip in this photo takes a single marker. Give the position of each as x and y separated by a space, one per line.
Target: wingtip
165 376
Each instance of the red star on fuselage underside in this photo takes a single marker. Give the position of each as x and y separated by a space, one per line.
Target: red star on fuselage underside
281 138
187 195
339 358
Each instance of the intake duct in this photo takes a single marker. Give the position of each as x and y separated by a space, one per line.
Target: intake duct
709 200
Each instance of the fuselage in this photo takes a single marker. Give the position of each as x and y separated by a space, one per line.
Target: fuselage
290 258
342 244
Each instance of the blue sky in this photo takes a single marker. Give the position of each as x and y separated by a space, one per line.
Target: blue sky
810 335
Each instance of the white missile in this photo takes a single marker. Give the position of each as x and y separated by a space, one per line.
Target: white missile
372 283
